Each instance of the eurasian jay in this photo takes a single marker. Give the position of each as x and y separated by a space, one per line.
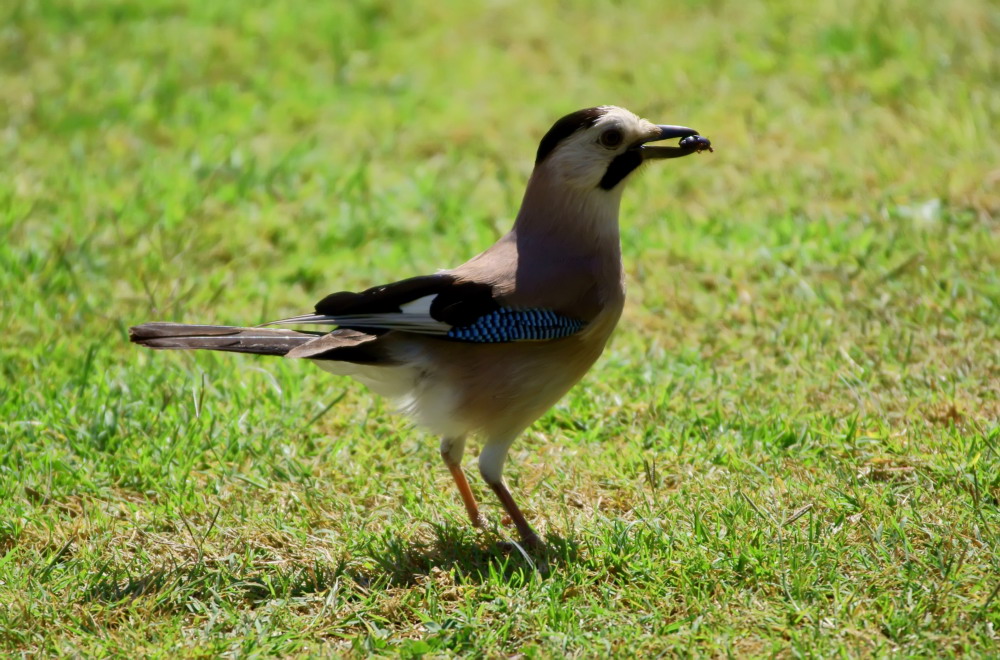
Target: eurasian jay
486 348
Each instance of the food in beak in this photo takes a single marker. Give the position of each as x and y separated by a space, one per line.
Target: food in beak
697 142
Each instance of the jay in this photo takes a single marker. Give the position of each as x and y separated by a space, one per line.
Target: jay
488 347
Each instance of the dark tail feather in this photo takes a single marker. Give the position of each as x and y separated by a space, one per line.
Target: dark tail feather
261 341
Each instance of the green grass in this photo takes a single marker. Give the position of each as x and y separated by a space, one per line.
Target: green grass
791 447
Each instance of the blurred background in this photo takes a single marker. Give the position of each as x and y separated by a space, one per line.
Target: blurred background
237 160
829 273
302 132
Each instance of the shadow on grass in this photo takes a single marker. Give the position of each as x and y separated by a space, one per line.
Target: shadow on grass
472 558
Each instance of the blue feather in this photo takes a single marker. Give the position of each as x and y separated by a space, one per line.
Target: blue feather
506 325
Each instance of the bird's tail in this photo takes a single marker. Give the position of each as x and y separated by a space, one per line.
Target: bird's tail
260 341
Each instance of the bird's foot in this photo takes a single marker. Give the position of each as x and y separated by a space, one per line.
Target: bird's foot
533 541
530 543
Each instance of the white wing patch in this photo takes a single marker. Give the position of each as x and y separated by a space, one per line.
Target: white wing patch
414 316
420 306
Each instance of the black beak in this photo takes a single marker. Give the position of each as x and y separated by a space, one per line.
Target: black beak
691 143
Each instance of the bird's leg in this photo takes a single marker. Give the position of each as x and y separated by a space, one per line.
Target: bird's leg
491 462
528 535
451 452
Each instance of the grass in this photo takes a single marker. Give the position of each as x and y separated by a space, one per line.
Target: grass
791 447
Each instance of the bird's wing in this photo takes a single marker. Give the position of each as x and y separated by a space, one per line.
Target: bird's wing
440 305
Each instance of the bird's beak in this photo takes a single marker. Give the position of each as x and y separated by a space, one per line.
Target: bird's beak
691 143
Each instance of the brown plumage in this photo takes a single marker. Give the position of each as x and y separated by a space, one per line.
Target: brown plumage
487 347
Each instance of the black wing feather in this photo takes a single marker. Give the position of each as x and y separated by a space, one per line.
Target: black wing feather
458 310
456 302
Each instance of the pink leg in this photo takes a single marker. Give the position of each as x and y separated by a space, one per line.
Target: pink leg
451 452
466 492
528 535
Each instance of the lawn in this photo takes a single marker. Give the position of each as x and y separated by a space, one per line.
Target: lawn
789 449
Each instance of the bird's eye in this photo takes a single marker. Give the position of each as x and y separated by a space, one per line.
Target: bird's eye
611 138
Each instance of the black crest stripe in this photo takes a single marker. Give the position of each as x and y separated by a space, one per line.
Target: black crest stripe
565 127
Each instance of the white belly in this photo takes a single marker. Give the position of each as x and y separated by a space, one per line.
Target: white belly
417 393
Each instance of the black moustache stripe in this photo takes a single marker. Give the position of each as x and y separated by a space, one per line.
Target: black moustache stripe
623 165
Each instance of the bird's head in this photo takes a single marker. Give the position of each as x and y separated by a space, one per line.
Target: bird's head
598 148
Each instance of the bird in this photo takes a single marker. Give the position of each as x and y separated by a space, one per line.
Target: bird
486 348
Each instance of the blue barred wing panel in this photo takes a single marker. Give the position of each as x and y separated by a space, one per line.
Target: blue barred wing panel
506 325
